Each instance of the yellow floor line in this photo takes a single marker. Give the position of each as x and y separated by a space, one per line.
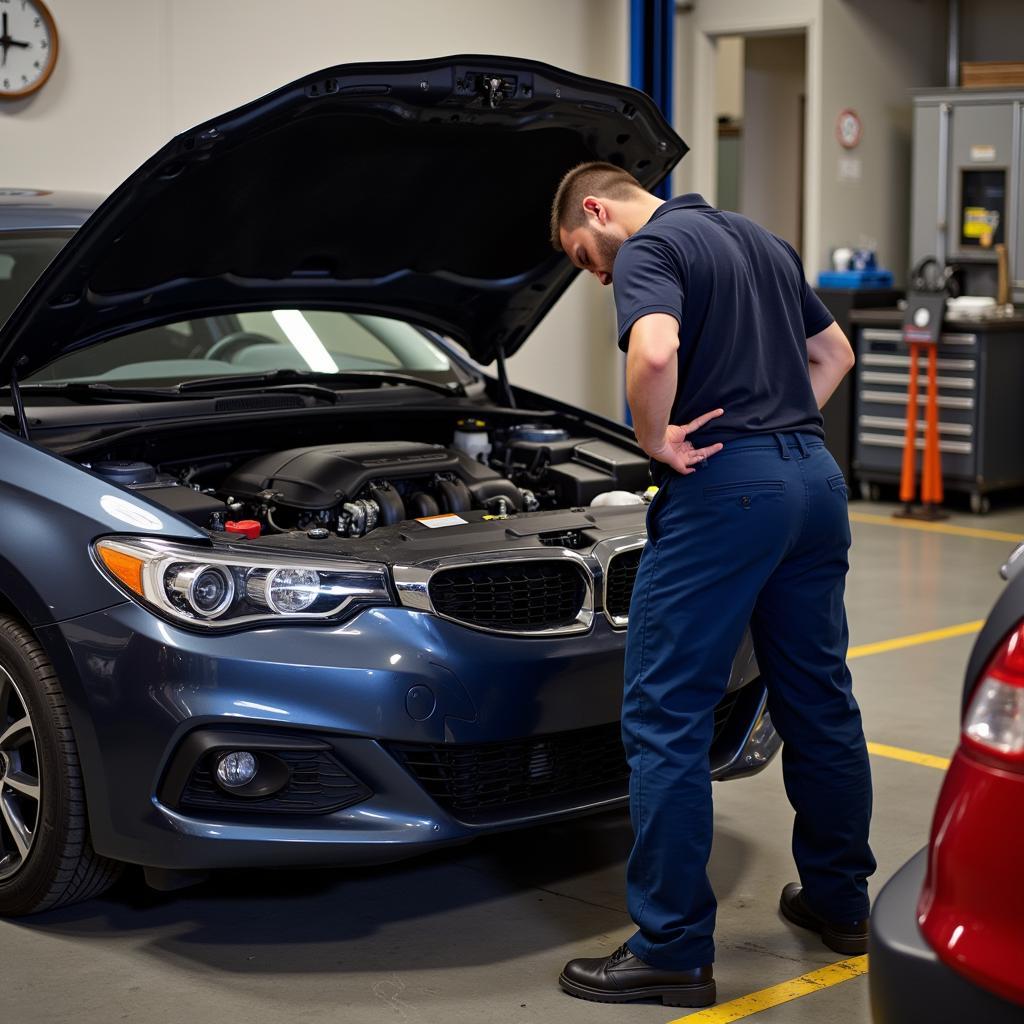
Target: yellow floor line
910 756
915 524
787 991
914 639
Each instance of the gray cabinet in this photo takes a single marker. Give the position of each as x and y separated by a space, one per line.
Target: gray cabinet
968 156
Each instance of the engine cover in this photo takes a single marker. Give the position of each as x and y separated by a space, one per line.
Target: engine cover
322 476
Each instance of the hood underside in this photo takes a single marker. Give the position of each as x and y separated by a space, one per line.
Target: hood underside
417 189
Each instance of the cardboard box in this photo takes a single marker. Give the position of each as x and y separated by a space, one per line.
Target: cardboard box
991 74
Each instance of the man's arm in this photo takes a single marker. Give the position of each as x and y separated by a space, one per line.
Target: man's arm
830 359
651 378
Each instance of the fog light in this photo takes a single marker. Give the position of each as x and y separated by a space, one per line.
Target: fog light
236 769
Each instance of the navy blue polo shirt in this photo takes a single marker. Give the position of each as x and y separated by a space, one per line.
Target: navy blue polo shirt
745 312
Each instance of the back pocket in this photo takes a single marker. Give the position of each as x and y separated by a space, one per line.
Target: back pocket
838 483
743 493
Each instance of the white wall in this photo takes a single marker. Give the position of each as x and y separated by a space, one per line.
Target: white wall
875 51
132 73
770 150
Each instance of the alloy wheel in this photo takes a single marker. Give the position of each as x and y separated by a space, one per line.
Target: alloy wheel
20 791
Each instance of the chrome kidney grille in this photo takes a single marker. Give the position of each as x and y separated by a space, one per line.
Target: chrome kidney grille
619 581
528 592
533 596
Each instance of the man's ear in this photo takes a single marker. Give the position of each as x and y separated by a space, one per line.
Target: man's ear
595 209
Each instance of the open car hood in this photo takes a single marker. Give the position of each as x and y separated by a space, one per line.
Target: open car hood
416 189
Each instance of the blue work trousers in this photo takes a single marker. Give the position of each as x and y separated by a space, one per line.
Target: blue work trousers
758 535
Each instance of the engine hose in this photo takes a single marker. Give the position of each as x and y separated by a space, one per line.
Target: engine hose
421 504
273 525
392 509
454 495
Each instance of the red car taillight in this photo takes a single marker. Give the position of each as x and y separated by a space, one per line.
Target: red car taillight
972 903
994 723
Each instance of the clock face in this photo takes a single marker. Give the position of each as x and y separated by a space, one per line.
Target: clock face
28 47
848 128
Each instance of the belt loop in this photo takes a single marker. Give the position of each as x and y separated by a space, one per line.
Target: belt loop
781 442
802 445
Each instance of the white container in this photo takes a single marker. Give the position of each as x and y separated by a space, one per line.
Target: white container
472 438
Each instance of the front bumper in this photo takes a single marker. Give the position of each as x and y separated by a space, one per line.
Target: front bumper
139 690
908 981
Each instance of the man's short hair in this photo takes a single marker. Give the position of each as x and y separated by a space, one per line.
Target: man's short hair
592 179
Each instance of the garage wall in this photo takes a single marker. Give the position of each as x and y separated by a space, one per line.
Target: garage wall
131 74
875 52
991 30
771 147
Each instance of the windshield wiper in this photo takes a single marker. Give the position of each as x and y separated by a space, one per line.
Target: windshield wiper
93 389
359 378
323 384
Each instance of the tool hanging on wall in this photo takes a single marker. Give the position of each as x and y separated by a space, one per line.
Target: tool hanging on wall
930 285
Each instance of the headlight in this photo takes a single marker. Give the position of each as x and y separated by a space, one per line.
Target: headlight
212 589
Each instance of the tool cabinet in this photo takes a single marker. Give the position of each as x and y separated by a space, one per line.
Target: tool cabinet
981 404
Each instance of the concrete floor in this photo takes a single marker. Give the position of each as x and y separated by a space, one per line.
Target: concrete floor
479 934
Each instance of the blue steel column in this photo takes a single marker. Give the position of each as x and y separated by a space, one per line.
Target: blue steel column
651 48
651 51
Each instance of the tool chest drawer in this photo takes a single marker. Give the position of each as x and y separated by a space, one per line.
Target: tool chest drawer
880 408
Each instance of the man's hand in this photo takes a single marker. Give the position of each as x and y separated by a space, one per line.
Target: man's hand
677 452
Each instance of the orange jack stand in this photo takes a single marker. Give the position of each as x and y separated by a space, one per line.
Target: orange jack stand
931 465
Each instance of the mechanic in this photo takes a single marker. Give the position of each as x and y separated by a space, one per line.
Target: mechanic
749 525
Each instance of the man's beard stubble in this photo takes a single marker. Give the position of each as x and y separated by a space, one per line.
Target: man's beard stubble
607 249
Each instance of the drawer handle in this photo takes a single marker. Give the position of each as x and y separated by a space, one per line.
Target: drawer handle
893 398
893 423
885 441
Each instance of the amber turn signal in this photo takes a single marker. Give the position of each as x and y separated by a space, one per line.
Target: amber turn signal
126 568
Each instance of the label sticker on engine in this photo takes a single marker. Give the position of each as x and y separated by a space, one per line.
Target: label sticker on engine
445 519
126 512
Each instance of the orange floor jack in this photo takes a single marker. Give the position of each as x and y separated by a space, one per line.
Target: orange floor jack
931 463
921 332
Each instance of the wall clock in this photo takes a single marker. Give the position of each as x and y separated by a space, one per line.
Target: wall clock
28 47
848 128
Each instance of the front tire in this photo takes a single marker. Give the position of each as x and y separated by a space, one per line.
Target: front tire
46 856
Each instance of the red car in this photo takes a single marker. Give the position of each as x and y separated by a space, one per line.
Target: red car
947 931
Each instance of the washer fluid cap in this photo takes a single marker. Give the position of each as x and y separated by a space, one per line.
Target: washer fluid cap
245 527
126 473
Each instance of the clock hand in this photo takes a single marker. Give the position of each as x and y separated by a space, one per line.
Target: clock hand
24 46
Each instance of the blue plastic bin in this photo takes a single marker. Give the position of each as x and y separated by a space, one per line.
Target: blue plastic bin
855 279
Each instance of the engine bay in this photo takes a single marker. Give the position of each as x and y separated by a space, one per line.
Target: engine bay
350 489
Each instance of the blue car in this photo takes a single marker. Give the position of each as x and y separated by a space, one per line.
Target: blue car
285 577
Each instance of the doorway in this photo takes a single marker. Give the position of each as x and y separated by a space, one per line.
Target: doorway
760 103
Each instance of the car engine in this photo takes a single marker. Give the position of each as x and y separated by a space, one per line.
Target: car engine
352 488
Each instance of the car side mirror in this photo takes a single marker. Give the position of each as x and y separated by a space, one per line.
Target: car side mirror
1014 564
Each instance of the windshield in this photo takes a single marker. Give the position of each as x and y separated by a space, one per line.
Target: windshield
255 343
23 257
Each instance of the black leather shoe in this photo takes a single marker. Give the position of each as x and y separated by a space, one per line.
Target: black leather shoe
622 978
843 938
